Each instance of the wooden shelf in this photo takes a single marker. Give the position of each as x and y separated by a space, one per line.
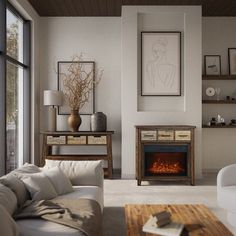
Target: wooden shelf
219 127
219 77
219 102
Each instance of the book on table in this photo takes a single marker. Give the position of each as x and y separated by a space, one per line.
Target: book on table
171 229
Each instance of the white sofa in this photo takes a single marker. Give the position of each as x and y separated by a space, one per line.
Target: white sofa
226 191
87 180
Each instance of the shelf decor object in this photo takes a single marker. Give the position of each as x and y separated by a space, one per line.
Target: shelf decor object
52 98
212 64
161 63
232 60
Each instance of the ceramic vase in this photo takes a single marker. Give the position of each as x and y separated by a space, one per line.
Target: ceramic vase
74 121
98 122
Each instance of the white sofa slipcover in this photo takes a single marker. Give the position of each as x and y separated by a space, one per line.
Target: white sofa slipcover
87 181
226 191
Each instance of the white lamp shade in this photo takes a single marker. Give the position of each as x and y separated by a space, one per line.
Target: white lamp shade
53 98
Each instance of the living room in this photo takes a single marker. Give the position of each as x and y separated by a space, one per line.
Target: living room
125 122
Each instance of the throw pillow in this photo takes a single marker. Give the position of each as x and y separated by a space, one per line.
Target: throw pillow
39 186
7 225
8 199
26 168
59 180
17 186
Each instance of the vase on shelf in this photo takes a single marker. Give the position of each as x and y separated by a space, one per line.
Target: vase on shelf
98 122
74 121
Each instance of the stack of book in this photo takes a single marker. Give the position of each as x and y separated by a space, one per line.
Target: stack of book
161 224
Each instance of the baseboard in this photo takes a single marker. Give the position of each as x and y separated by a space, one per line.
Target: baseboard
127 176
211 171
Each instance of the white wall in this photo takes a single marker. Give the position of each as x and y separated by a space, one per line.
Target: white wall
29 13
219 144
184 110
99 39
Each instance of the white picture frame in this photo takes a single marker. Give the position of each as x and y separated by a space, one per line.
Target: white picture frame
232 61
212 64
160 63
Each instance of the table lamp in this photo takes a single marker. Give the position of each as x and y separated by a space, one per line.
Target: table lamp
52 98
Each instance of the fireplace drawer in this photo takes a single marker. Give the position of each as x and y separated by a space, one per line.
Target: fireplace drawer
148 135
165 135
182 135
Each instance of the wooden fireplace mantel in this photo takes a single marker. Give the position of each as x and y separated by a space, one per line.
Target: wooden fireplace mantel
164 135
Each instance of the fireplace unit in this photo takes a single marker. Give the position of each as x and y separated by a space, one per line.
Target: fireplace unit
165 153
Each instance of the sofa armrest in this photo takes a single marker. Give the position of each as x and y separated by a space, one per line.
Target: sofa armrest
80 172
227 176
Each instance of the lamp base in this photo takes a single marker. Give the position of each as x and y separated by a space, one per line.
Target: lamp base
52 122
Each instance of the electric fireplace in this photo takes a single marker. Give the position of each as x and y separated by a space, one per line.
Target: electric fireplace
165 153
165 160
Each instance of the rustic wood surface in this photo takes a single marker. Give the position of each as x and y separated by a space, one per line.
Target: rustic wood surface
198 219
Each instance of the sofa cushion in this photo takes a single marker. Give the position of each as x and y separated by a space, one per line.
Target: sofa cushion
7 225
8 199
17 186
39 227
88 192
26 168
80 172
39 186
59 180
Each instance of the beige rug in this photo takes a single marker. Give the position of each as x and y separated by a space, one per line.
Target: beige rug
119 192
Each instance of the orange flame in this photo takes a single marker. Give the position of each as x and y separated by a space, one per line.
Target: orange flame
165 167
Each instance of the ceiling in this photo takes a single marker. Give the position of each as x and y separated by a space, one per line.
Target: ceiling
113 7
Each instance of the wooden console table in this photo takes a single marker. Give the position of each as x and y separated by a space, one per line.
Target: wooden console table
81 138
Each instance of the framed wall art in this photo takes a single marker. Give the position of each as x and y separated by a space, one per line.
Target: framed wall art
160 63
232 61
212 64
63 69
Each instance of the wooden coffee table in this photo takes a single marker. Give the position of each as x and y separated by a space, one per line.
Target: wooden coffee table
198 219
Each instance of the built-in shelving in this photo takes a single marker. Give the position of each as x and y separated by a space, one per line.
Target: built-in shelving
219 126
219 101
219 77
214 101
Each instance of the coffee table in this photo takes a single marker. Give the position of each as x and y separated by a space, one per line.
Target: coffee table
198 219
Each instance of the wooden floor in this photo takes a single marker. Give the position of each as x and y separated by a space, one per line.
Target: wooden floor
198 219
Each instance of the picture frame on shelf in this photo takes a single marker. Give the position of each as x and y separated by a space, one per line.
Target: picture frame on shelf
212 64
160 63
62 68
232 61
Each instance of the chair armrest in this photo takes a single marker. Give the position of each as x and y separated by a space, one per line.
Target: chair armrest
227 176
80 172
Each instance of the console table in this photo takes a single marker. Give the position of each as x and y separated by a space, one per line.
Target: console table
80 138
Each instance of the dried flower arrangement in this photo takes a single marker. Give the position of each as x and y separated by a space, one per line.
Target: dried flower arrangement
79 82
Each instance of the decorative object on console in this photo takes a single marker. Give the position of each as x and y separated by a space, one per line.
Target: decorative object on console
232 60
76 79
212 64
160 63
52 98
98 122
74 121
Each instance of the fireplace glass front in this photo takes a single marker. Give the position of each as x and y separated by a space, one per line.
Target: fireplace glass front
165 160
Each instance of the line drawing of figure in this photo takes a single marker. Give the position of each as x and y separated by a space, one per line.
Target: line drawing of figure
159 70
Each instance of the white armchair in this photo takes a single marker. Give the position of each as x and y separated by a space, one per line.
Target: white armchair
226 191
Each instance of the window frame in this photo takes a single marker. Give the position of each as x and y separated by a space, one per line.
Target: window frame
26 66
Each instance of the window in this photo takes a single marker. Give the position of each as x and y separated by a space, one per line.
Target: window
14 61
